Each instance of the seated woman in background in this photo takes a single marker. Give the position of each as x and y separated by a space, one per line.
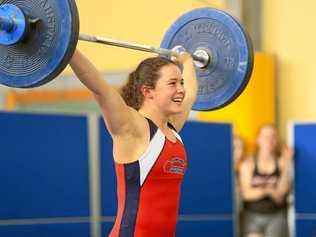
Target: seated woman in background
265 182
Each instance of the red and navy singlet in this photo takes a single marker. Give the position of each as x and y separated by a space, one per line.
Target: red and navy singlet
148 190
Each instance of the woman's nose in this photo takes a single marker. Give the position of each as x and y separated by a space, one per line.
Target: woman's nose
180 88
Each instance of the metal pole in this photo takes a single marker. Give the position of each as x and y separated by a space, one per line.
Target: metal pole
203 59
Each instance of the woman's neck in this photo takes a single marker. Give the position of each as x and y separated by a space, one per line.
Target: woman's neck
157 117
267 155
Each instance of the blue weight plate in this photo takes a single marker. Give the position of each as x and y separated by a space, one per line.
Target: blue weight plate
47 47
222 81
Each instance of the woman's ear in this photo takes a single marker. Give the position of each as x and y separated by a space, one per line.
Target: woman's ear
147 91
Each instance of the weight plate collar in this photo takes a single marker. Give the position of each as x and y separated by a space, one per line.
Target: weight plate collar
15 29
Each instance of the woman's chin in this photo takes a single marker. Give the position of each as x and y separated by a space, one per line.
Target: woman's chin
175 112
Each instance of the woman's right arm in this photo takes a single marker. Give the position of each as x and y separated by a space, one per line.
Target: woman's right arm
118 116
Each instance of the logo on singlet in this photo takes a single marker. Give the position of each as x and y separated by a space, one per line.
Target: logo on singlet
175 165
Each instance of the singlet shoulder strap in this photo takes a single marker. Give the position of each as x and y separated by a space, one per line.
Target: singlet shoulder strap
172 127
175 132
255 162
277 170
152 128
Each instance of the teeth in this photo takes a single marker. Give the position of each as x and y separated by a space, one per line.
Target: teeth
177 100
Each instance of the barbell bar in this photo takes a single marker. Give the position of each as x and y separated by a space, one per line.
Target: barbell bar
38 38
202 58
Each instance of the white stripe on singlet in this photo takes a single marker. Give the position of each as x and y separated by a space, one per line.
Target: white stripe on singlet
151 154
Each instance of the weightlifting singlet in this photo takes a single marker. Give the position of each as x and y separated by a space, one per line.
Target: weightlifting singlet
148 190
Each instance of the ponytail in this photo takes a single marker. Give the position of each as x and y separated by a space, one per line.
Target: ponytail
131 92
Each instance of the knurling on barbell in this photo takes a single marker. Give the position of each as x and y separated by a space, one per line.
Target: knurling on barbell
38 39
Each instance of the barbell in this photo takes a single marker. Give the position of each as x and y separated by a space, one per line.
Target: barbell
38 39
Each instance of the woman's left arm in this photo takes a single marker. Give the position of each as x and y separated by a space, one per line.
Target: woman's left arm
285 181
